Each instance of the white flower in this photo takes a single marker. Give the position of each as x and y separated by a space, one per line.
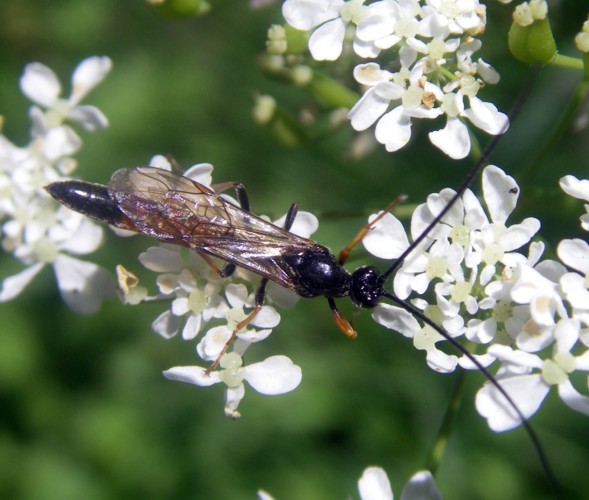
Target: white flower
275 375
36 230
578 189
214 341
431 43
532 315
412 96
575 286
527 379
375 485
199 297
424 338
192 286
83 285
324 16
40 84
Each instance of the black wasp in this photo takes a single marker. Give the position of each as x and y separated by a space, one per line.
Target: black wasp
178 210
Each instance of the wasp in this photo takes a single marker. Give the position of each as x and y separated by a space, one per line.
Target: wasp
175 209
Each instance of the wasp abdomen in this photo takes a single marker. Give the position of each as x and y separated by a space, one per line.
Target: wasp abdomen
92 200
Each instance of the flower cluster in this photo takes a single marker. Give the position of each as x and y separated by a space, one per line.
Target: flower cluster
531 314
39 232
34 229
431 70
199 298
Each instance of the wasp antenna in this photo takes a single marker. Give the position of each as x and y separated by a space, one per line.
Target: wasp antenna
471 175
547 469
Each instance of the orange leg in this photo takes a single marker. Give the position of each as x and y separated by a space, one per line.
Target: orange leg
342 323
259 302
240 326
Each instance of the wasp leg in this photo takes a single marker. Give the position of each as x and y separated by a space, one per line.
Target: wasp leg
176 167
342 323
291 216
259 302
240 191
225 271
345 253
228 268
261 291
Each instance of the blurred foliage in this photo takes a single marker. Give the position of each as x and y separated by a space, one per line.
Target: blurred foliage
85 410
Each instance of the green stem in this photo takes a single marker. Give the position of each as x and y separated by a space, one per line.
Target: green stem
563 124
436 453
568 62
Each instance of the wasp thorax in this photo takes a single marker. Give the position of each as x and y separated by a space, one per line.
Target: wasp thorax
319 273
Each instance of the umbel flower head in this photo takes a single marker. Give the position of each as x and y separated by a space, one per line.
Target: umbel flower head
35 230
201 301
529 315
433 73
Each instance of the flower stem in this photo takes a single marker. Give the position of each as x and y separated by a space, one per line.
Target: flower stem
564 123
436 453
562 61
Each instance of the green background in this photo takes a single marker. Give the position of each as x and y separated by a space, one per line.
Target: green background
84 410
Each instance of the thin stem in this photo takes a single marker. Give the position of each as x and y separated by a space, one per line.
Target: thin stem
564 123
437 450
567 62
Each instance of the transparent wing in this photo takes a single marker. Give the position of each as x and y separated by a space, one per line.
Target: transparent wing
179 210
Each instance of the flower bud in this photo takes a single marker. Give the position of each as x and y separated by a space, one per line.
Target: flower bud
533 43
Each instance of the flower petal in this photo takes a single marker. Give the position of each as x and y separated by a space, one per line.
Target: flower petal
326 42
83 285
575 254
90 117
233 396
394 129
161 259
267 317
274 375
14 285
201 172
89 73
59 142
453 139
387 239
421 486
86 239
305 224
305 15
40 84
166 325
367 110
441 362
575 187
572 398
195 375
396 318
375 485
485 116
500 192
528 391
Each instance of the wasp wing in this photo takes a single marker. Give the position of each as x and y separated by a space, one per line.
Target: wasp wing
179 210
